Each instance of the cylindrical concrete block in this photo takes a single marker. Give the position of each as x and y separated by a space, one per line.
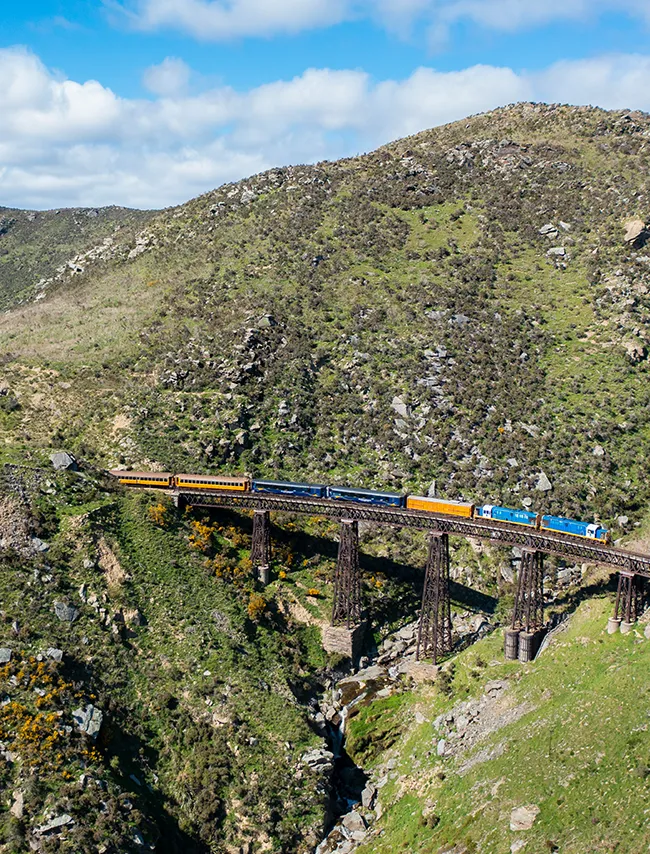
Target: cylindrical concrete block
626 627
526 646
511 644
613 625
264 574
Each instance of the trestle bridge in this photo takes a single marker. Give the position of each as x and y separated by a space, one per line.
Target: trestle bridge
434 635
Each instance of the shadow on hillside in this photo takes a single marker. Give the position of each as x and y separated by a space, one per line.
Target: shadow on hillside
403 602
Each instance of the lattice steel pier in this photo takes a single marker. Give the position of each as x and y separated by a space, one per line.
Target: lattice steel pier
434 633
261 545
346 610
629 602
528 613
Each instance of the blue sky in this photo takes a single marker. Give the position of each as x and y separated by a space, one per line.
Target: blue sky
149 102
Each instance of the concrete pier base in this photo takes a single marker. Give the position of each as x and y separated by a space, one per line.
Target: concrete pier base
613 625
626 627
344 641
511 644
264 574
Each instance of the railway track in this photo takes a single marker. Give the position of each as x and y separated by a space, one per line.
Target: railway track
563 545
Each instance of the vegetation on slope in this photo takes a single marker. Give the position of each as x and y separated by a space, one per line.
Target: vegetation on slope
566 737
202 683
271 325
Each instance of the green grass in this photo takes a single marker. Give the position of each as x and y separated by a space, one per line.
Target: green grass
580 752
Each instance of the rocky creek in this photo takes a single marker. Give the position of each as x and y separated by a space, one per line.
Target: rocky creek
356 793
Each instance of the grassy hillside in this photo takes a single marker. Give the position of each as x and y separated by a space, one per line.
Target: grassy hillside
460 306
566 736
270 325
202 682
38 249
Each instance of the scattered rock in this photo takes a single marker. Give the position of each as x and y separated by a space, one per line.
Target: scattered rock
556 252
523 818
598 451
623 521
543 483
54 654
5 655
319 759
65 613
89 720
54 824
64 462
440 749
635 231
354 821
549 230
18 805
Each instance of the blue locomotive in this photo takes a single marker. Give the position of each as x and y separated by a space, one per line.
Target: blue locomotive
589 530
505 514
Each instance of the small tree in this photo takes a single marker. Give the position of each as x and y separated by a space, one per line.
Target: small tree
256 607
159 515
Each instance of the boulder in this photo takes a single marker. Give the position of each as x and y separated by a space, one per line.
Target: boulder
319 759
634 230
54 654
54 824
549 230
523 818
368 796
65 613
543 483
63 461
400 407
635 351
18 805
556 252
5 655
88 720
354 821
598 451
495 686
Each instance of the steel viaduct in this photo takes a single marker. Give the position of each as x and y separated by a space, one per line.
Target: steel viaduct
434 634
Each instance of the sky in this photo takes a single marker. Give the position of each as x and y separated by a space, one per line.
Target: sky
148 103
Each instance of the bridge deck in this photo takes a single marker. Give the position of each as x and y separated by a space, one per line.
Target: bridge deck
499 533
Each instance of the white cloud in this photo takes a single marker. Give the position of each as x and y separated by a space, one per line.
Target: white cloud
226 19
169 79
69 143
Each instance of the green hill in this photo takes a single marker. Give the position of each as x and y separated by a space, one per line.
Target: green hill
392 319
460 307
564 737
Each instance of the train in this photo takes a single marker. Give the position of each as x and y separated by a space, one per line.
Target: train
378 498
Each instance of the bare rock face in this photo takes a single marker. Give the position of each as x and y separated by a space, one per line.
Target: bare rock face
64 462
89 720
635 231
523 818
